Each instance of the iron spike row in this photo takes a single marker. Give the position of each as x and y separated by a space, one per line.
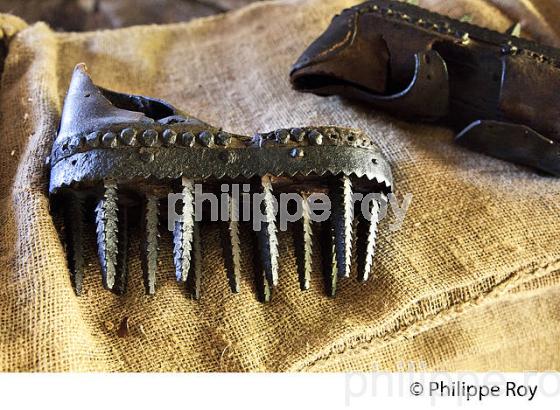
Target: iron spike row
112 234
336 239
127 159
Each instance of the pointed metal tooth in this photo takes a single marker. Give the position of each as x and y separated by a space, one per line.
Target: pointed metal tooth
514 30
121 278
268 241
263 287
304 245
342 217
330 270
74 225
232 246
367 235
183 232
107 230
236 256
149 251
195 274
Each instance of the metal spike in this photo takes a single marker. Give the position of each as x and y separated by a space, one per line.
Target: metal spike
195 274
268 241
107 231
514 30
304 245
149 247
342 217
367 235
183 232
330 270
121 278
263 288
232 246
74 223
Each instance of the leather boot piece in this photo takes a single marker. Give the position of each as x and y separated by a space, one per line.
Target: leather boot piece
117 157
499 92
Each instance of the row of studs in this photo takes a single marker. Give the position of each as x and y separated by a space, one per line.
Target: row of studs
511 49
283 136
444 28
314 136
150 138
508 49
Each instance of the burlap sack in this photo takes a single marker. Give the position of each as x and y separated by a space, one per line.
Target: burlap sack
470 282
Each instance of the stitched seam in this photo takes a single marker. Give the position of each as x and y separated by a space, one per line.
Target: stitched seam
407 334
442 317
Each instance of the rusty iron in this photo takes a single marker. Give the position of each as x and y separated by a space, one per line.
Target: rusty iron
497 91
117 157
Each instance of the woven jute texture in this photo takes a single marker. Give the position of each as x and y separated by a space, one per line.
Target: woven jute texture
470 282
